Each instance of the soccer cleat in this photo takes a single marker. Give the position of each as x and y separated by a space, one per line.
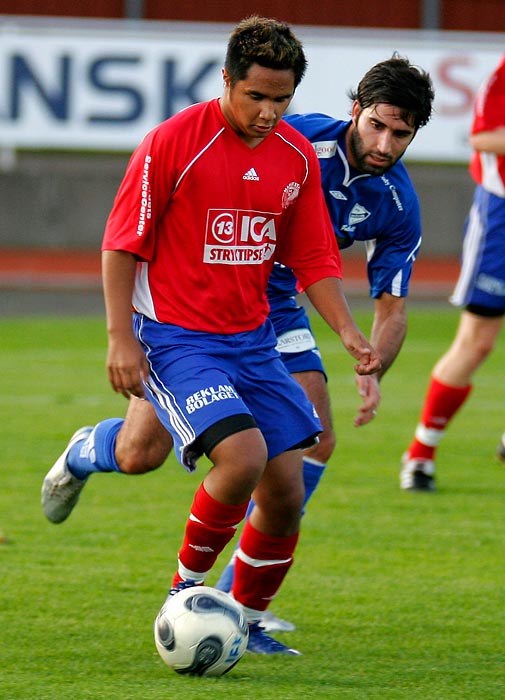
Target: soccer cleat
500 450
181 586
61 489
417 474
269 621
260 643
272 623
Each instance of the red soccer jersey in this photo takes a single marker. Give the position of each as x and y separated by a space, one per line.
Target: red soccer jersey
488 169
207 216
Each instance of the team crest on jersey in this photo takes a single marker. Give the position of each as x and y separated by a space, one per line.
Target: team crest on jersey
238 237
290 193
357 215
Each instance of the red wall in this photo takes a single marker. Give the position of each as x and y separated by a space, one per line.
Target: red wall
62 8
403 13
473 15
470 15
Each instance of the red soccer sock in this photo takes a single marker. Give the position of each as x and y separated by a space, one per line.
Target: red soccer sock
261 566
209 528
440 405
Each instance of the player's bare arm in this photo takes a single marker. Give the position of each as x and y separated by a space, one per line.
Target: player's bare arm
388 329
388 333
328 299
126 362
489 141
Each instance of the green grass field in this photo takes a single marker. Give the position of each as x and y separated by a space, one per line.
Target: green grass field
395 596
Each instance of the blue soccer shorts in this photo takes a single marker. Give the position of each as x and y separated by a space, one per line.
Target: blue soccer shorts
481 284
295 340
198 379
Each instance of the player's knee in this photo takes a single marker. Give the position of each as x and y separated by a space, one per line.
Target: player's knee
472 355
236 444
244 468
482 348
140 459
325 447
282 513
131 465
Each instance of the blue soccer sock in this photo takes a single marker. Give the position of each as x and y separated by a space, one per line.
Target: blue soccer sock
96 452
312 473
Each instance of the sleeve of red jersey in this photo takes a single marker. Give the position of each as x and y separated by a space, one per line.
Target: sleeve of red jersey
141 198
490 114
310 246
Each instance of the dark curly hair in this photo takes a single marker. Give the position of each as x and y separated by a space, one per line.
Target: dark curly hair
397 82
267 42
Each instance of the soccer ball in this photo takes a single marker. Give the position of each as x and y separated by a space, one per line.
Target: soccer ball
201 631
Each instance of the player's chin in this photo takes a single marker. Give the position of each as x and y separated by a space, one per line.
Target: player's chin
377 170
378 167
260 131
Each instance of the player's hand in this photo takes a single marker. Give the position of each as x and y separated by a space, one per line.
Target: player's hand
357 345
127 366
369 390
369 361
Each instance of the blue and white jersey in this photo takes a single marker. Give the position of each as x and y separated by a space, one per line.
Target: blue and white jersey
383 211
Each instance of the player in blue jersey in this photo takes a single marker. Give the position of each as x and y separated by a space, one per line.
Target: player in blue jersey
370 198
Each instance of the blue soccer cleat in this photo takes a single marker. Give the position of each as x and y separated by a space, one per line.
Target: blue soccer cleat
181 586
261 643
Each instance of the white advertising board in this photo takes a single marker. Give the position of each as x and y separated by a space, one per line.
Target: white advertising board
103 85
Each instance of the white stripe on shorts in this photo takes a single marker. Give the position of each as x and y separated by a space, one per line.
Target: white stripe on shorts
470 258
167 402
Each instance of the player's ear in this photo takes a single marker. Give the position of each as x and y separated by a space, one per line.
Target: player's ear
355 110
226 78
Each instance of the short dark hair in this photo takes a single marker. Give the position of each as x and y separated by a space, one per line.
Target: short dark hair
267 42
397 82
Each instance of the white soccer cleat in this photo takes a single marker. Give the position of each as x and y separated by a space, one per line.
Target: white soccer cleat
61 489
272 623
417 474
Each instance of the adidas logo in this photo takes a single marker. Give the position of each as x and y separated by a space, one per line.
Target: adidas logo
251 174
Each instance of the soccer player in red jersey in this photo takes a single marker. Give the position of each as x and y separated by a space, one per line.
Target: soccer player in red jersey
480 289
210 200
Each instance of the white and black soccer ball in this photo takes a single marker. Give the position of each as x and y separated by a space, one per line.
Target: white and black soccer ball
201 631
